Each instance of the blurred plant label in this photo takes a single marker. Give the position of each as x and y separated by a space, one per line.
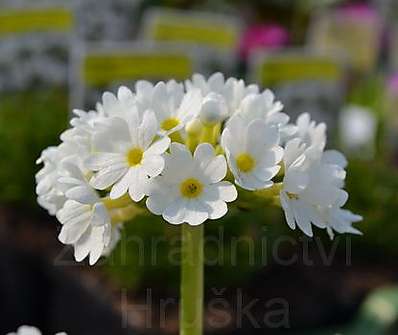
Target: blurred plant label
305 81
16 21
274 69
356 36
106 20
214 31
34 45
100 68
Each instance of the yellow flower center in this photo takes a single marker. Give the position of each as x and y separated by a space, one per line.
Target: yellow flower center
191 188
170 123
134 156
245 162
292 196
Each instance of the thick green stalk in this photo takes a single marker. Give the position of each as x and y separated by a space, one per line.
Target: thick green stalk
191 305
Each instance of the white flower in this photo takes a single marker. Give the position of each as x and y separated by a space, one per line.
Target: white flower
232 90
144 93
263 106
311 192
239 92
214 109
122 147
299 193
338 219
127 155
75 147
87 227
216 84
47 190
117 106
147 93
73 182
173 110
86 120
86 221
311 134
190 188
28 330
78 140
47 176
254 154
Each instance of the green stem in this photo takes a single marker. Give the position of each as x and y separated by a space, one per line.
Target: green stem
191 305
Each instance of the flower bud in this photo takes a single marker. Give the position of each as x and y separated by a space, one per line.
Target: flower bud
214 109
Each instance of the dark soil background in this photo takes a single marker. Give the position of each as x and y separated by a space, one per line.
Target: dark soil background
41 285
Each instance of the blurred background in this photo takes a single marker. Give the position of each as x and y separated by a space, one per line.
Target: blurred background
337 60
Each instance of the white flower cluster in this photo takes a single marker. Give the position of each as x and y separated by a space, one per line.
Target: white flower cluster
184 152
28 330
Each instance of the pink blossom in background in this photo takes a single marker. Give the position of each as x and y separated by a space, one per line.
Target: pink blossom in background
392 84
359 11
262 36
367 16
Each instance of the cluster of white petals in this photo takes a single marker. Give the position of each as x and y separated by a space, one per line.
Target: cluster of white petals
184 151
191 188
28 330
312 190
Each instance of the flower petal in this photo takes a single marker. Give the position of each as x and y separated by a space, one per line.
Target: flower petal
72 230
108 176
121 187
289 215
100 161
158 147
175 211
138 184
148 129
334 157
214 168
302 218
225 191
218 209
100 215
83 194
196 212
258 134
153 165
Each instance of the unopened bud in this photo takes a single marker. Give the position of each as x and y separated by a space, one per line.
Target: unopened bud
214 109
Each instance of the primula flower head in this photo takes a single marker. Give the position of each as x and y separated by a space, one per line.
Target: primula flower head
186 152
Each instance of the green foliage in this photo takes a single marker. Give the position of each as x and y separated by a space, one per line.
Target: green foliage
369 92
378 315
373 189
29 122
